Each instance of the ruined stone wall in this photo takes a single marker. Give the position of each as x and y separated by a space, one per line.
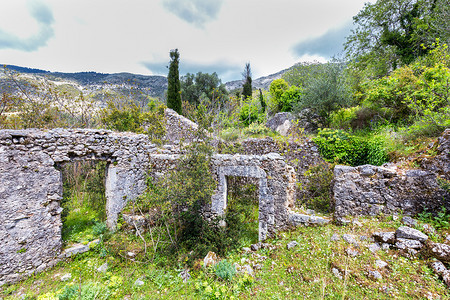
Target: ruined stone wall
276 185
31 187
299 154
371 190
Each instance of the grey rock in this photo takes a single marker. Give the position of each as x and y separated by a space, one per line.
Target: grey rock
410 233
380 264
301 219
291 245
384 237
281 123
429 229
138 282
247 269
350 239
408 244
255 247
185 275
375 275
385 246
375 247
335 237
257 267
66 277
246 249
103 268
440 251
351 252
336 273
446 278
76 249
408 221
438 268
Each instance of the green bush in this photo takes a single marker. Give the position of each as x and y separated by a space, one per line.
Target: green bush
248 114
224 270
283 97
318 187
343 118
340 147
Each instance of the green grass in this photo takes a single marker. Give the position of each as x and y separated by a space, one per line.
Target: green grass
302 272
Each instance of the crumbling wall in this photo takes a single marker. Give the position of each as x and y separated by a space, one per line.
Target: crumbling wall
372 190
276 183
301 154
31 188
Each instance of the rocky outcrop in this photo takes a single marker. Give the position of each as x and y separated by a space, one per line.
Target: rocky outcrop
281 123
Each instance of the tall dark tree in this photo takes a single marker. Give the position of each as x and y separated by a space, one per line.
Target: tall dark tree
247 77
262 101
173 89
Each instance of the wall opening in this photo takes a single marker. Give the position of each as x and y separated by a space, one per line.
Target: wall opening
84 201
243 208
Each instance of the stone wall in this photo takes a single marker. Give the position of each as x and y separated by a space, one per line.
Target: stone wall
299 154
276 185
371 190
31 187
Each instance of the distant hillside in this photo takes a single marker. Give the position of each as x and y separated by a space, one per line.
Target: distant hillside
97 84
259 83
100 86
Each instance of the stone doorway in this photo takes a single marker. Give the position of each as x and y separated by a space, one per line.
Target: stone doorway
266 204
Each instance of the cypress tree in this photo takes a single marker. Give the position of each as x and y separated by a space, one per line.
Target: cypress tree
262 101
247 87
173 89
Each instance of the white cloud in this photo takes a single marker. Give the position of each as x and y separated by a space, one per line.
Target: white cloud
130 36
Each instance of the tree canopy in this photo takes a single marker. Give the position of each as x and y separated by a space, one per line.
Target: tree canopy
392 33
203 88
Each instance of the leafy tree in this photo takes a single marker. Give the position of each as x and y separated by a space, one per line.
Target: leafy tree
390 33
247 87
416 91
325 92
203 88
299 74
173 89
283 96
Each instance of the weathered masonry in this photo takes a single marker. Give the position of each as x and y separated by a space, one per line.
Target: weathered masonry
31 187
277 185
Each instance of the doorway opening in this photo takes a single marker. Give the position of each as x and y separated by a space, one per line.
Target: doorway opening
242 212
84 201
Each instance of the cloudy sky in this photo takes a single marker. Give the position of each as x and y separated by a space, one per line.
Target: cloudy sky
112 36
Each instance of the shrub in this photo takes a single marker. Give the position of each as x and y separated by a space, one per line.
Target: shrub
248 114
343 118
337 146
224 270
317 188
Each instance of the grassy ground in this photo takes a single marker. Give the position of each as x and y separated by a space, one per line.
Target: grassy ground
302 272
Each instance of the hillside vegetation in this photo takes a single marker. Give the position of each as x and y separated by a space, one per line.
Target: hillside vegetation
385 101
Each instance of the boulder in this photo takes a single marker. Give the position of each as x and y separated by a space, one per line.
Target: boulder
408 244
281 123
408 221
440 251
438 268
350 239
210 259
405 232
384 237
291 244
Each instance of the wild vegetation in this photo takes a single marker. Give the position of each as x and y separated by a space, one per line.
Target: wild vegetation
384 101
